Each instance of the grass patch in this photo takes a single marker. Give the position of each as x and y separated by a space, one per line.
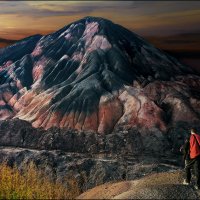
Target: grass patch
33 184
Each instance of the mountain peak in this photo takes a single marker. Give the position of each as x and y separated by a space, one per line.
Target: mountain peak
91 75
102 24
92 18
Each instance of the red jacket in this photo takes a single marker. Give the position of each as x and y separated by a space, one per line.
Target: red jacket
194 145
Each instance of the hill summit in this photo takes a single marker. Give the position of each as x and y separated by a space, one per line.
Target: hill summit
98 76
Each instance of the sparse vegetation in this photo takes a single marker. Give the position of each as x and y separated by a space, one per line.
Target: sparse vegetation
33 184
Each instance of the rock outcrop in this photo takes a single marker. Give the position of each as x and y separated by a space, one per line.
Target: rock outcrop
94 75
18 133
89 170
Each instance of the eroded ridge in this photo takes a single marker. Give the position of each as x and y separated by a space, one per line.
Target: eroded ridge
98 76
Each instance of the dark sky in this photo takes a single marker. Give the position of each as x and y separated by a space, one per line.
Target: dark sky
175 24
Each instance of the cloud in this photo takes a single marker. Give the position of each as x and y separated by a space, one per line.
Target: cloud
149 17
59 8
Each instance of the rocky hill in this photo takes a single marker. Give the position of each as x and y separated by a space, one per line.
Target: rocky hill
95 100
98 76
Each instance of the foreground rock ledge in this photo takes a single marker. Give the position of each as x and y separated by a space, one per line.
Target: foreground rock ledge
157 186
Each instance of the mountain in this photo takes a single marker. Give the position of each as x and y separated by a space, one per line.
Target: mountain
130 103
6 42
97 76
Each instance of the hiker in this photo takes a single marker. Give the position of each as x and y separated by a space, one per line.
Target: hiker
191 150
185 149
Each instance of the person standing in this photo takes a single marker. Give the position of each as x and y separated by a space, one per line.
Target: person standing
185 149
192 146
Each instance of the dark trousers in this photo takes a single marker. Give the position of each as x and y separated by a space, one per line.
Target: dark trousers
195 164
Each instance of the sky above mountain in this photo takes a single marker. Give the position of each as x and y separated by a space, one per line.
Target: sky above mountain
19 19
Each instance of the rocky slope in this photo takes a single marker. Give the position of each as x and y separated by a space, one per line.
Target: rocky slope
89 170
158 186
97 76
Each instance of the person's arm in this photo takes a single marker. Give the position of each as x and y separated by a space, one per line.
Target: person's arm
186 148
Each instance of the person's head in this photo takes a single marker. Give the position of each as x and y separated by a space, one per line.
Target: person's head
193 130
